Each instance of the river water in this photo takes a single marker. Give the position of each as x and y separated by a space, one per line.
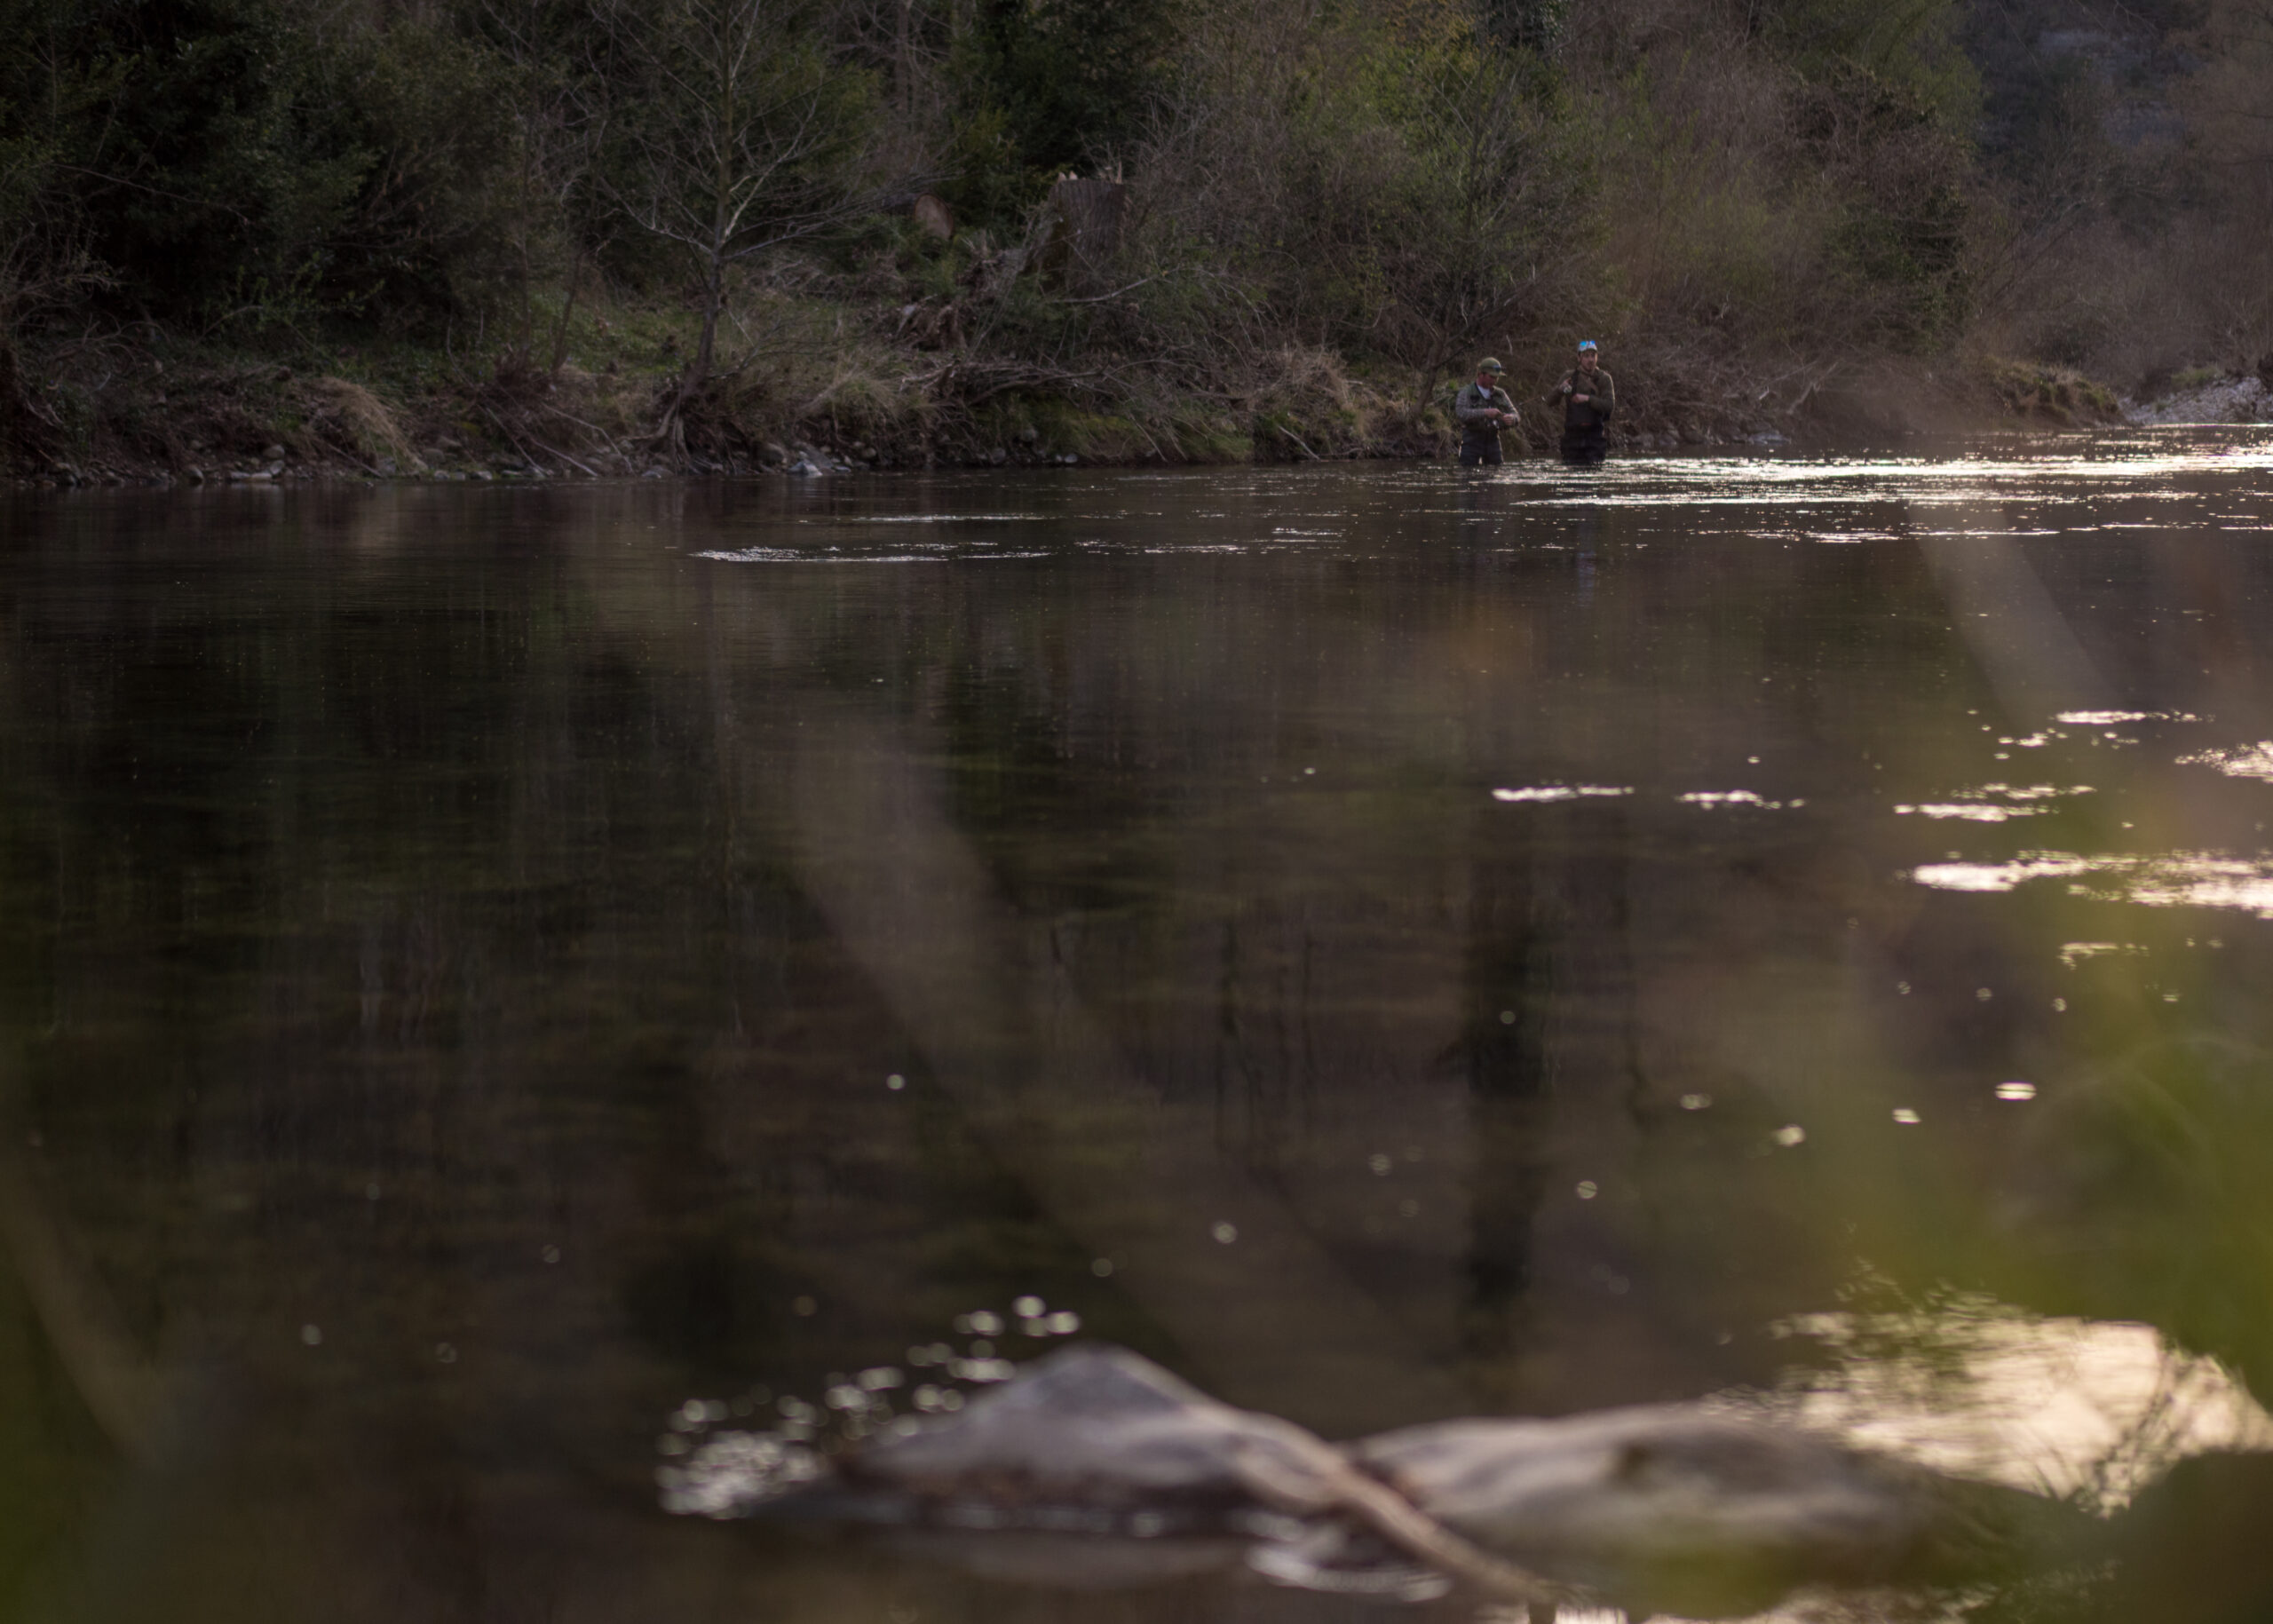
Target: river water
481 968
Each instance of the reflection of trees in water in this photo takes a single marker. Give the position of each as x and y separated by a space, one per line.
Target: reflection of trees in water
1504 1052
468 877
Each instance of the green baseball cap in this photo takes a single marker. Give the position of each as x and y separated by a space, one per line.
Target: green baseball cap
1488 365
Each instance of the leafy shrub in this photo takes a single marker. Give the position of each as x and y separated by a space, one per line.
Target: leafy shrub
231 163
1055 84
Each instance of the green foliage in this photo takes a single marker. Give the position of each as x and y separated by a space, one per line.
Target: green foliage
1497 186
1902 181
227 160
1529 24
987 182
216 169
1416 185
1910 46
1048 85
1394 180
434 219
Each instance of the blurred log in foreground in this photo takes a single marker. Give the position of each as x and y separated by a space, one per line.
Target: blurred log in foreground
1679 1507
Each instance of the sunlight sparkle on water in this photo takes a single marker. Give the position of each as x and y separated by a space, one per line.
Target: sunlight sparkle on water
1713 481
1558 792
726 1474
2248 761
2175 879
1993 803
1971 812
2116 718
2072 954
1735 797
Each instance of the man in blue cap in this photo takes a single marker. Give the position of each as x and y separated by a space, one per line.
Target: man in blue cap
1587 397
1482 407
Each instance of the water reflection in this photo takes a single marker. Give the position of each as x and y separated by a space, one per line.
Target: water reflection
1301 912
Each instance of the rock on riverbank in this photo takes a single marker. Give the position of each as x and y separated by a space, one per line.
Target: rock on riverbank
2232 399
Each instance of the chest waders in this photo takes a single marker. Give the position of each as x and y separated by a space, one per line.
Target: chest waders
1479 441
1583 441
1587 445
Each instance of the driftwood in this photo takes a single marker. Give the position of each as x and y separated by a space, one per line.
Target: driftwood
1671 1508
1685 1510
1101 1440
1108 1430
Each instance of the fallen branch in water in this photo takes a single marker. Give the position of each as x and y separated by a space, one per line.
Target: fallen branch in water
1396 1519
1297 439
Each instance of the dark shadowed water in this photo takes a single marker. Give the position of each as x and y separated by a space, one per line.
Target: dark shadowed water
481 968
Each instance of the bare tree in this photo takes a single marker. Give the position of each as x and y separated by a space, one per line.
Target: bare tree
743 141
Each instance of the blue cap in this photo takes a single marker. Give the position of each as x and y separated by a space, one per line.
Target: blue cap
1588 343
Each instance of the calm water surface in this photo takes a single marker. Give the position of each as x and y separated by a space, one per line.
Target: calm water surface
479 968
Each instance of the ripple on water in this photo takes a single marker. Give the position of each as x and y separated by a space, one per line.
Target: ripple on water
791 555
796 555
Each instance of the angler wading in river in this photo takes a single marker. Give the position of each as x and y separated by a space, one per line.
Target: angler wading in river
1587 397
1482 407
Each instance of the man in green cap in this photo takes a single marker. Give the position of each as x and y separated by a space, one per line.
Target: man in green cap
1482 407
1587 397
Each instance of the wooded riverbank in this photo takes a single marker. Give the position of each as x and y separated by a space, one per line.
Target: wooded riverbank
598 238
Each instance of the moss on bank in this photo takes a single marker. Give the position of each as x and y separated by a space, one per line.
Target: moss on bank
2053 394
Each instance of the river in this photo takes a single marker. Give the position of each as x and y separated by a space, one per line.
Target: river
483 967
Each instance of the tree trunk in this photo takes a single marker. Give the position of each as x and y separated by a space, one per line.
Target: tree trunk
1085 233
714 298
1428 388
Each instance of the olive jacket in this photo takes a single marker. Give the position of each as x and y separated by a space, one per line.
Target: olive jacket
1602 398
1470 405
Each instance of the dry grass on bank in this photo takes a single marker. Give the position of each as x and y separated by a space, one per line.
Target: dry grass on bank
864 383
